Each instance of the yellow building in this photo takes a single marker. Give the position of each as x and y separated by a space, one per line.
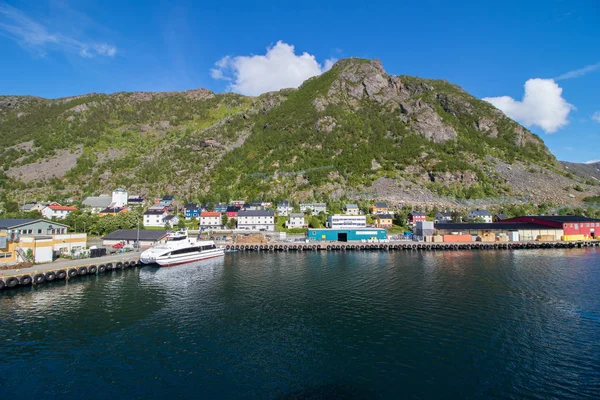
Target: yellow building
383 221
380 208
42 248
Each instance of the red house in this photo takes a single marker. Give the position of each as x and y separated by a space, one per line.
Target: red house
415 217
232 211
571 224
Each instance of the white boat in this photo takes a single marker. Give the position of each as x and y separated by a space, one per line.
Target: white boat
181 249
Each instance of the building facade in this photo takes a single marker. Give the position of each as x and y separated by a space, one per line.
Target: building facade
337 221
572 225
351 209
256 220
154 218
284 208
347 235
416 216
315 208
296 220
380 208
55 210
210 220
483 215
383 221
191 211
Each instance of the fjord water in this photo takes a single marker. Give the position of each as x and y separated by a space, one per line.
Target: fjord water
490 324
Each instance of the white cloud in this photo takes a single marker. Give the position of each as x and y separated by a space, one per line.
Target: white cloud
596 116
36 37
592 162
542 105
279 68
576 73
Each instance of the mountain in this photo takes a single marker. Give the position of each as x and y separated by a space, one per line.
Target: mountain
353 132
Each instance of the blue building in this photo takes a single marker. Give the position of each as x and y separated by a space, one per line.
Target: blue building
347 235
221 207
192 211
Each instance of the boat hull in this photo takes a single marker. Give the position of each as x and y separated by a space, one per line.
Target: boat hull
172 263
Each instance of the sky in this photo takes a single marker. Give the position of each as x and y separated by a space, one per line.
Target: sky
538 61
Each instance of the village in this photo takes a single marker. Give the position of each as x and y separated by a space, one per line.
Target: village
40 240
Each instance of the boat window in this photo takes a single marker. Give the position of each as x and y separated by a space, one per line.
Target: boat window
175 238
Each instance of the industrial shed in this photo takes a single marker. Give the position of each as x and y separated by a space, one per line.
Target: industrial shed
347 235
516 231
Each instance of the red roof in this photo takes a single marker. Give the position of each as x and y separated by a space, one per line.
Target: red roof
62 208
210 214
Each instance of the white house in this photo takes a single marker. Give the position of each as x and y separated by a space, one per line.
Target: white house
443 217
296 220
155 218
210 220
346 221
352 209
481 214
256 220
171 220
315 208
55 210
284 208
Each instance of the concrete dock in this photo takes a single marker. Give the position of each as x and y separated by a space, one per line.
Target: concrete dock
66 269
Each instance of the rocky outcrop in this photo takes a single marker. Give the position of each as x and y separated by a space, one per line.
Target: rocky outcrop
429 124
325 124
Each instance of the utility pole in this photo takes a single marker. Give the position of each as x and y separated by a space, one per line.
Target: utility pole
138 235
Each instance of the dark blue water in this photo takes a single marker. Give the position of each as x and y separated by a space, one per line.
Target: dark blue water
522 324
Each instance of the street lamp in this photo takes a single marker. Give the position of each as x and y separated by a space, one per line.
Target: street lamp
138 235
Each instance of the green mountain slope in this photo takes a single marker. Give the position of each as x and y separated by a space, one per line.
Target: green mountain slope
354 131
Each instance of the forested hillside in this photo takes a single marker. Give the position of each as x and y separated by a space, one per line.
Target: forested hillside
353 132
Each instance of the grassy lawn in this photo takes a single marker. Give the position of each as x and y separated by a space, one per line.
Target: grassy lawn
280 226
396 229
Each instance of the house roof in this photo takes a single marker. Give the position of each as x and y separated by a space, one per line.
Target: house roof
191 206
168 198
562 218
97 201
444 214
233 208
210 214
132 234
62 208
501 216
384 216
283 203
313 205
15 223
169 217
381 205
296 215
154 212
480 213
417 213
351 206
256 213
113 210
496 226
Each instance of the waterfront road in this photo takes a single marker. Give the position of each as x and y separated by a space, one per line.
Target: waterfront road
63 264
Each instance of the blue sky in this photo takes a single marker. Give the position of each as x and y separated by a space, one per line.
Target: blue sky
59 48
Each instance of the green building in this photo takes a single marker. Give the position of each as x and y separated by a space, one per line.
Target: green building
347 235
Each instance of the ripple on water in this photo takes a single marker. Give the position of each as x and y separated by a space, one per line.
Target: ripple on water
522 324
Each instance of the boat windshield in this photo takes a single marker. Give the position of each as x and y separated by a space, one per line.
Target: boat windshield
175 238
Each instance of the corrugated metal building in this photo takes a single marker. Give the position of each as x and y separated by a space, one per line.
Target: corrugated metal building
526 231
347 235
